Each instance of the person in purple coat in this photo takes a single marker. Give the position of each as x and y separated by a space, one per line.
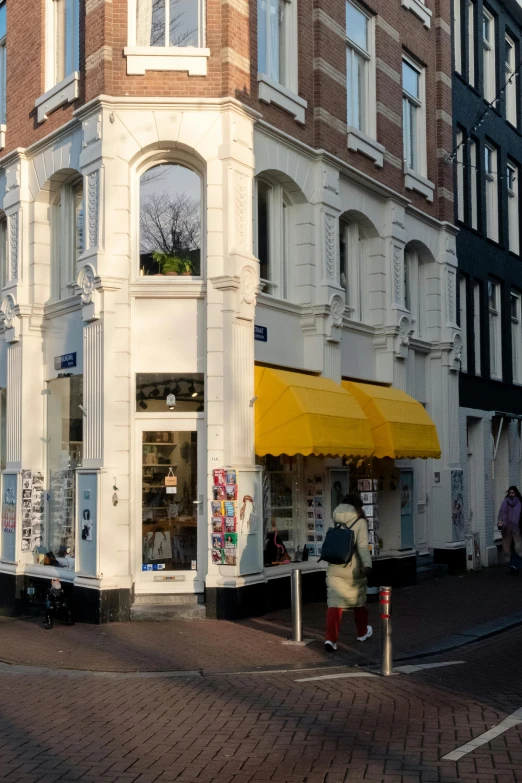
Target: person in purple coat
509 524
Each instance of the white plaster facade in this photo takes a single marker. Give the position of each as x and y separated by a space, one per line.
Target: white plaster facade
119 323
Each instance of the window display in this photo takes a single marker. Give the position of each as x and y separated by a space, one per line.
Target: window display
169 495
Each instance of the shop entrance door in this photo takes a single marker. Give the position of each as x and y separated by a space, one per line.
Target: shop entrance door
406 488
168 507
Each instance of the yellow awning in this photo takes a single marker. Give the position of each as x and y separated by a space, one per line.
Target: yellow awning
401 428
305 414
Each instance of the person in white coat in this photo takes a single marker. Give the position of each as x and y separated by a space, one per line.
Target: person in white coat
346 585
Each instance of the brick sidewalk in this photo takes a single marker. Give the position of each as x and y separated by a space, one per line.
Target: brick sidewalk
423 615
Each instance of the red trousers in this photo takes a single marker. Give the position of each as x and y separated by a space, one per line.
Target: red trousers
333 622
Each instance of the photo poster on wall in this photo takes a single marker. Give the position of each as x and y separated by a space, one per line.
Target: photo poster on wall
32 510
9 516
61 510
315 519
367 489
224 520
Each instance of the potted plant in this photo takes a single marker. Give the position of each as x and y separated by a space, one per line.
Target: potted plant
167 265
186 266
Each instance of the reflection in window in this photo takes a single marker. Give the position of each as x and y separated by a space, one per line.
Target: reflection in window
168 23
154 392
170 221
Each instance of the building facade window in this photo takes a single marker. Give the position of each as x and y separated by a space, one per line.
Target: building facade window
358 55
516 337
513 208
488 55
67 238
3 72
495 330
490 174
274 239
415 291
170 221
472 63
413 117
3 251
169 23
62 40
511 82
462 320
276 42
457 34
460 174
473 179
352 279
477 312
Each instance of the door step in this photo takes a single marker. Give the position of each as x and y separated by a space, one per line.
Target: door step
165 607
431 571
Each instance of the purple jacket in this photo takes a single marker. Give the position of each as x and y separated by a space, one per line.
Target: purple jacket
509 514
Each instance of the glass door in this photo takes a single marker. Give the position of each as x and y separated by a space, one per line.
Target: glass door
406 487
168 499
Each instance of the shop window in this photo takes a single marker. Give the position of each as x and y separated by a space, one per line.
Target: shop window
67 238
169 501
64 456
280 505
167 392
170 221
274 238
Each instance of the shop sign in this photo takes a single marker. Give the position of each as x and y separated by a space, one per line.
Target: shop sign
64 361
260 333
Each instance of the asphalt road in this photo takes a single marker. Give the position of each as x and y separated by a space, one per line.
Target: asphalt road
284 726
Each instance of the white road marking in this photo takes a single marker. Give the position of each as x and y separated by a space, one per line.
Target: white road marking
512 720
411 669
337 676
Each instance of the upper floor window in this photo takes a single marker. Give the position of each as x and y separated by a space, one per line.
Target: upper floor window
351 267
516 337
495 335
513 207
169 23
457 34
460 175
274 231
488 54
490 173
170 221
3 71
472 63
62 40
413 117
3 251
67 238
477 322
358 55
511 82
462 320
473 178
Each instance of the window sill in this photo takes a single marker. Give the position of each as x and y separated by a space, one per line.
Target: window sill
65 91
360 142
192 59
420 10
414 181
271 92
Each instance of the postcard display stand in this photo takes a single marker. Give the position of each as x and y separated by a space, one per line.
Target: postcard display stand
368 490
236 519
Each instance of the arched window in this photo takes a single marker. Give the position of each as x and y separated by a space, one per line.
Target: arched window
67 230
351 243
274 238
4 277
170 221
415 294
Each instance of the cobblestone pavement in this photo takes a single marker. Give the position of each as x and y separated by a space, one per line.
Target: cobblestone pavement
238 728
421 618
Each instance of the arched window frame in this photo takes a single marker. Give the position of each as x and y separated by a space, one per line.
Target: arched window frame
4 271
279 282
67 237
415 291
180 159
351 243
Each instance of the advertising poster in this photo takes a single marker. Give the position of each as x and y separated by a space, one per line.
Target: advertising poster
9 504
223 507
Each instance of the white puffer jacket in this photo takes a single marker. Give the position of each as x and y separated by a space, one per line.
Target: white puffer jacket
347 585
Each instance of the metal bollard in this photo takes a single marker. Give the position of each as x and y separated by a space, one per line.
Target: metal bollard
297 612
385 594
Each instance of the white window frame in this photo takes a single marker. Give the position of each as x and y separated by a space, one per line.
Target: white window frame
511 81
491 180
473 183
457 34
281 235
66 249
512 177
489 57
495 331
460 175
516 337
355 285
463 322
472 65
415 176
415 291
140 59
4 271
3 83
477 310
418 7
59 91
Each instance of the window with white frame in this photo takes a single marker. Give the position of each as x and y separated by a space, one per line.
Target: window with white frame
495 330
3 251
460 175
490 173
472 64
168 23
488 55
462 321
511 82
358 56
473 180
413 116
274 238
67 238
415 291
513 207
62 40
477 311
516 337
276 36
3 71
351 269
457 34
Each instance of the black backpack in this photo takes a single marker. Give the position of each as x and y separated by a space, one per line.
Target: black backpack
339 544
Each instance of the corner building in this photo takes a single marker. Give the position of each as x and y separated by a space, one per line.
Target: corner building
228 296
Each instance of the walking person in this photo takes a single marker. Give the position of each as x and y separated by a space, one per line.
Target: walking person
346 585
509 518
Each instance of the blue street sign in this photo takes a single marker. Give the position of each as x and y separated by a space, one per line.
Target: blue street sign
67 360
261 333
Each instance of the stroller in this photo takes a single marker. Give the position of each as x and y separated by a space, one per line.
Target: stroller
57 605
